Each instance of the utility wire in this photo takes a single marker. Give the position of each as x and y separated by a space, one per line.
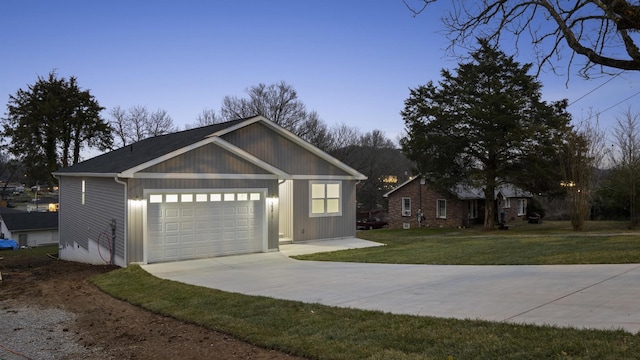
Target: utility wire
618 103
596 88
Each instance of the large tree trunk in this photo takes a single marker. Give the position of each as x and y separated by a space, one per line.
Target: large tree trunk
489 206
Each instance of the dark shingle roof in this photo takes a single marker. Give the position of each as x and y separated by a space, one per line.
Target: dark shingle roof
22 221
127 157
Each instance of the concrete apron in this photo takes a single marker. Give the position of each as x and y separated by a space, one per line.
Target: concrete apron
580 296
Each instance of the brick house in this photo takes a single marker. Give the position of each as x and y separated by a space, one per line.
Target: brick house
439 209
462 208
512 201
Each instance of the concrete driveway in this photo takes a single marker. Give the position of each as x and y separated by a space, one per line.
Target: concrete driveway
581 296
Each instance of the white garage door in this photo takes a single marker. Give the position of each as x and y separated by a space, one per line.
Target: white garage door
184 226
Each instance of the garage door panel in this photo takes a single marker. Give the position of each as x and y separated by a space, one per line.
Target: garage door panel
171 239
186 230
202 213
186 226
171 226
171 213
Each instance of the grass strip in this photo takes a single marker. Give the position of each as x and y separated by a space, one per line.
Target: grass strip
528 244
323 332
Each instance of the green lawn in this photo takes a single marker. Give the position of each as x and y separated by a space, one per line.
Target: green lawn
523 244
323 332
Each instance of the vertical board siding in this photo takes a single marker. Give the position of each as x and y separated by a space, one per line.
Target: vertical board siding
264 143
313 228
104 201
208 159
135 232
286 209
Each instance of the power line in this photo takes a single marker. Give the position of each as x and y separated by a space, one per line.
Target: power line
612 106
596 88
618 103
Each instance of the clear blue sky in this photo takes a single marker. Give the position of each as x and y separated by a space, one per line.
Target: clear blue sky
351 61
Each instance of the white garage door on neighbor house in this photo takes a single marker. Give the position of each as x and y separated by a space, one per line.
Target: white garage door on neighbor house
183 226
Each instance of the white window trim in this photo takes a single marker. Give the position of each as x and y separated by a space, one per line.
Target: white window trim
438 209
406 211
325 213
507 203
522 207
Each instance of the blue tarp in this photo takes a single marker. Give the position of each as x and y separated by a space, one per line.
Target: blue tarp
6 244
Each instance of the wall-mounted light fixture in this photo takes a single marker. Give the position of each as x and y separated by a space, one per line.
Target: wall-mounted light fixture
271 202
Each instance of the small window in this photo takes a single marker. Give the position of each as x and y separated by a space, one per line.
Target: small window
406 206
441 211
507 203
243 197
229 197
216 197
201 197
473 209
171 198
83 191
155 199
522 207
186 198
254 196
325 199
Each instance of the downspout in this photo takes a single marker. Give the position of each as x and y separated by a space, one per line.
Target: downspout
124 226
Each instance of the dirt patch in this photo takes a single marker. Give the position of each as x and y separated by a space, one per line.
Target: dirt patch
104 326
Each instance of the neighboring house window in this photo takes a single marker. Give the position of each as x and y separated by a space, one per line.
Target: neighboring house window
507 203
406 206
522 207
441 210
473 209
326 199
83 190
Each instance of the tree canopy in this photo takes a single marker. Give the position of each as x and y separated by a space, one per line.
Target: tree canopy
50 122
484 125
603 32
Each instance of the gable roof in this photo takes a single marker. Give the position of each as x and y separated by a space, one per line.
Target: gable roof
126 161
23 221
469 193
510 191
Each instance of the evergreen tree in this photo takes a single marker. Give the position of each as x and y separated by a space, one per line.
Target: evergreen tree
484 125
50 123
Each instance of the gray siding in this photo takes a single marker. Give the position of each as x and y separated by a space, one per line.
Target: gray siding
208 159
262 142
312 228
135 233
104 201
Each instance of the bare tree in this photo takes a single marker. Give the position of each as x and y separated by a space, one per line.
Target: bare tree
159 123
120 124
583 154
626 161
277 102
604 32
138 116
208 117
137 123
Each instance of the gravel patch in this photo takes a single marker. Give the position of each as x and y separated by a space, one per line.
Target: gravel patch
29 332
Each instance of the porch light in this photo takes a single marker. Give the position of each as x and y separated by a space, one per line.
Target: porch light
271 202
